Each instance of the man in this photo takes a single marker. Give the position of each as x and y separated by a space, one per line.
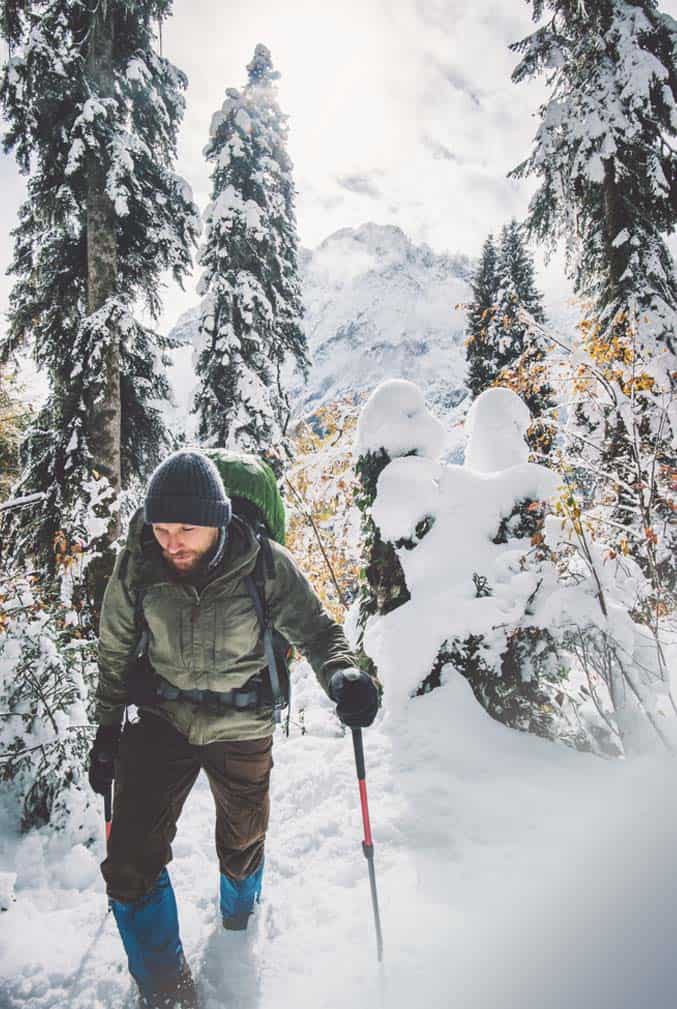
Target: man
179 585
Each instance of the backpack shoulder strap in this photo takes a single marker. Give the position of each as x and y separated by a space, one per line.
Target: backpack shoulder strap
135 594
140 625
255 585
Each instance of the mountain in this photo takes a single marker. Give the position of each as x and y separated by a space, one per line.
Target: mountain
377 306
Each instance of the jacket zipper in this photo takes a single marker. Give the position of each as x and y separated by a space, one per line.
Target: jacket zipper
194 615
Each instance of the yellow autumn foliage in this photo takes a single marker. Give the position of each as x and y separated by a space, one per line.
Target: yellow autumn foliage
319 489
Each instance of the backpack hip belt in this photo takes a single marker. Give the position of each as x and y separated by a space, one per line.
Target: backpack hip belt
248 697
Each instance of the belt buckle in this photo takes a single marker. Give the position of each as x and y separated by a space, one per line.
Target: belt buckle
236 702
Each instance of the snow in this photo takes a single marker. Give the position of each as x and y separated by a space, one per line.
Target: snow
491 847
467 508
90 110
496 424
243 121
137 71
396 419
229 206
621 238
7 881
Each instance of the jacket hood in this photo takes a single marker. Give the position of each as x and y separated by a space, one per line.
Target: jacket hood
138 534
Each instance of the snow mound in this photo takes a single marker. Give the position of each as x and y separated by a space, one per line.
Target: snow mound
496 425
396 419
465 506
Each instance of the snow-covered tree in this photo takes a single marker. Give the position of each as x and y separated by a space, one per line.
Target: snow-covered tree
14 415
503 347
481 369
482 593
92 113
250 328
604 159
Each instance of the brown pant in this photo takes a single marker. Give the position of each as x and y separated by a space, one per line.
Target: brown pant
155 771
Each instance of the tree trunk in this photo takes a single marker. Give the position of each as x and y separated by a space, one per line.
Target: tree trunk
105 410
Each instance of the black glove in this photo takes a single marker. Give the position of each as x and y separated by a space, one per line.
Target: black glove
102 757
357 697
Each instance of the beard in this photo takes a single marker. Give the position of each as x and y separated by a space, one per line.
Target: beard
189 563
186 563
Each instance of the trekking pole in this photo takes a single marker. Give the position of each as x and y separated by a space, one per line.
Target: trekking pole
107 808
367 844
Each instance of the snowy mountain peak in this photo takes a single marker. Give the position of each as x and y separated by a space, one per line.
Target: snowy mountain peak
377 239
350 252
378 306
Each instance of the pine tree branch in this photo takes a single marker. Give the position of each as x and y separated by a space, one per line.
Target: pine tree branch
20 502
41 695
10 755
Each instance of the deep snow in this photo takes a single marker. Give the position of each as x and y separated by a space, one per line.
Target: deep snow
493 850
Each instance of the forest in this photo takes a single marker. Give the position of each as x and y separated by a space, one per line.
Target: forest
507 539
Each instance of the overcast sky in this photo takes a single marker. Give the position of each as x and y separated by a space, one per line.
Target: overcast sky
401 112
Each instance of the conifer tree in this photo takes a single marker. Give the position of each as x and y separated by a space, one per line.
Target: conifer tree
604 159
480 313
14 415
516 291
504 348
93 113
250 327
521 347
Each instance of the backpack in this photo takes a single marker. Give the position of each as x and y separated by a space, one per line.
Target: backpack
253 490
255 496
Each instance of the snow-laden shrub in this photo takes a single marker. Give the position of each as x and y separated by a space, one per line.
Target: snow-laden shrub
475 566
386 419
47 667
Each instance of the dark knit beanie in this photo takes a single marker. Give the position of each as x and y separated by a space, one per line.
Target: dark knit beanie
188 488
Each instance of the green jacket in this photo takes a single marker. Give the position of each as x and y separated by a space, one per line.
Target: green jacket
208 639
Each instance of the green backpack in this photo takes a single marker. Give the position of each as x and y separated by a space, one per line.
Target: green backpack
252 488
255 496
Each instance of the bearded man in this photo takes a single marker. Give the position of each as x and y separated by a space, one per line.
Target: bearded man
180 586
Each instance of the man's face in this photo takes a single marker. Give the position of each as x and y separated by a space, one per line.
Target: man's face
184 546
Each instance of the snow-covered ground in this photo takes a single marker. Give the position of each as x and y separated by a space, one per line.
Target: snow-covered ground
511 872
